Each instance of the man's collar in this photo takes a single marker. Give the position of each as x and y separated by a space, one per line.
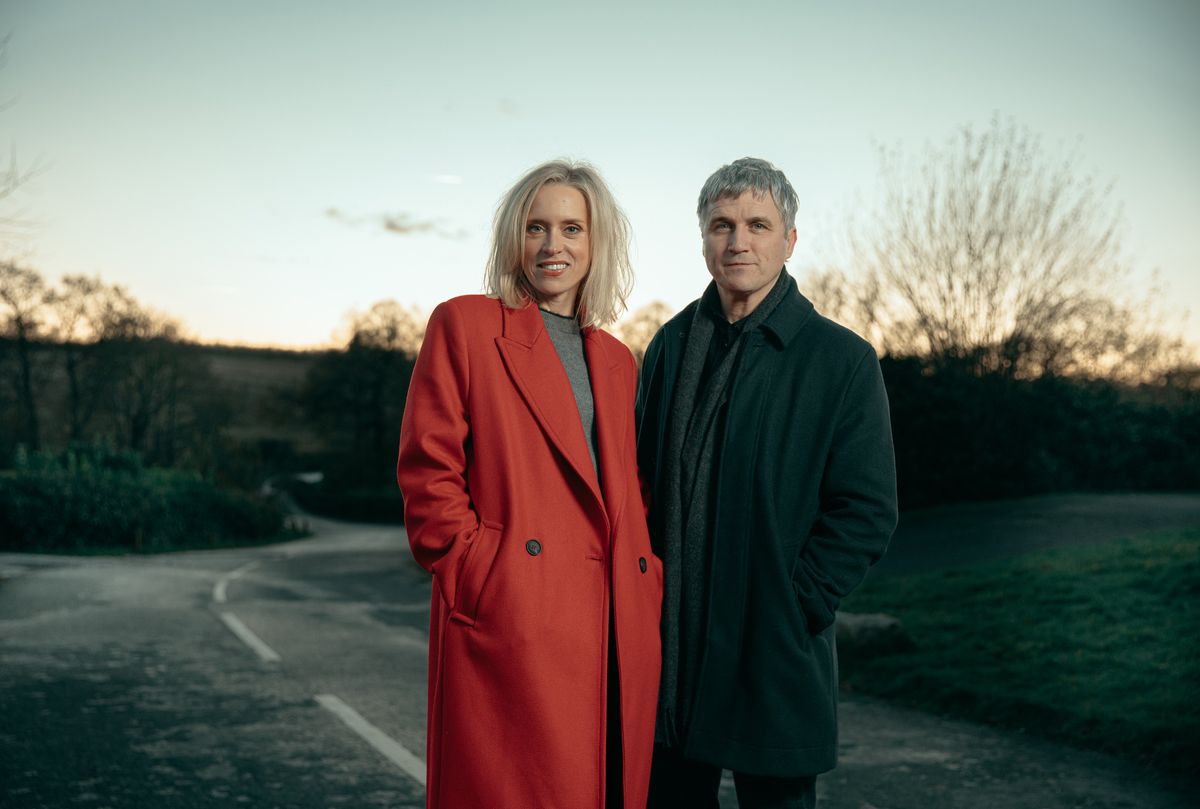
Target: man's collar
783 323
710 303
790 315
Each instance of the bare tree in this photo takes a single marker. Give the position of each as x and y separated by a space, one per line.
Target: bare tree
13 174
637 330
139 351
23 294
388 326
79 305
853 302
991 252
357 395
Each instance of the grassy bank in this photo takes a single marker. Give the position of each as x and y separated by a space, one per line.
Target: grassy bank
1096 646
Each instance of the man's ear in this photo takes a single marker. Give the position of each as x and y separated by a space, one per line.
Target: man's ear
791 243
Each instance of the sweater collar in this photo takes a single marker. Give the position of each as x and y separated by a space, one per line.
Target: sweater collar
525 323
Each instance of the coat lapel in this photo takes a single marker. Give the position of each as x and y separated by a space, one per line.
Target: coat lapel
613 406
539 375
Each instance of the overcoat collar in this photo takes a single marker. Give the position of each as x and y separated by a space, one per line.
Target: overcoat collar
783 324
790 315
539 375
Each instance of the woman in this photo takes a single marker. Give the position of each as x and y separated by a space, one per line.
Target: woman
518 468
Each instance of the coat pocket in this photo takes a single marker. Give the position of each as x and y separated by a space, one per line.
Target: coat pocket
791 555
476 565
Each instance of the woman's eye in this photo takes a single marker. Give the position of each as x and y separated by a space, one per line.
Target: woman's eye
533 228
573 229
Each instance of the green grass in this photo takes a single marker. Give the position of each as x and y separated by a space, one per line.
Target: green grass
1097 646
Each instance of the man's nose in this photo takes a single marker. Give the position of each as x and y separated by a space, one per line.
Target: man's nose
739 241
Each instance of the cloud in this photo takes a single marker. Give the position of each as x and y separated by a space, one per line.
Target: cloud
404 224
336 215
400 224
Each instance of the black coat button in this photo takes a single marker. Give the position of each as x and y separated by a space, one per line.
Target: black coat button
534 547
642 563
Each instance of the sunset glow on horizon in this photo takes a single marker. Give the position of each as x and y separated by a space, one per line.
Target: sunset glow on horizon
260 171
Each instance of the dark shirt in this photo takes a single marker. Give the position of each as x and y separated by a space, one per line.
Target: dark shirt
724 335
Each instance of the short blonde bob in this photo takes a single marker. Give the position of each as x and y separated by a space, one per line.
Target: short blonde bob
610 277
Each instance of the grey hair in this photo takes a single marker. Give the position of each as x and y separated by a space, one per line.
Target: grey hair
605 288
749 174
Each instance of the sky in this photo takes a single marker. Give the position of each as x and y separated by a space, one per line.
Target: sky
260 169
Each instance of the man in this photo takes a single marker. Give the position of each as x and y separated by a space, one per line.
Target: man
764 436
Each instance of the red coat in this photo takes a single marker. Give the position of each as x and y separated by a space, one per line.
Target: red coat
502 505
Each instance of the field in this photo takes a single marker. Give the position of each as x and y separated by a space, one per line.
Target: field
1096 646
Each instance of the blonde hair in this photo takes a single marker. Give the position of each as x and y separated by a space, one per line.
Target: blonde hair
606 286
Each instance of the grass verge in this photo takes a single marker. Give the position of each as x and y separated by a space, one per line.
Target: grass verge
1097 646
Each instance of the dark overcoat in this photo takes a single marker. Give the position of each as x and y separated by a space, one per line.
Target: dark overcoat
530 555
805 503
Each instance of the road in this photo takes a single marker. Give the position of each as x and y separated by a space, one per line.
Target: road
294 676
122 683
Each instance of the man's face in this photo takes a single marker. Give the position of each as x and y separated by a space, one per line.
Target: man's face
745 247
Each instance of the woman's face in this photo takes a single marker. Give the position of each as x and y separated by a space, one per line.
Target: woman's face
558 252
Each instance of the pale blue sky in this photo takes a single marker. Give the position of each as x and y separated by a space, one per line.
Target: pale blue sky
198 148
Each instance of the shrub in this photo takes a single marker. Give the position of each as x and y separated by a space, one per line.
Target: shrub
93 498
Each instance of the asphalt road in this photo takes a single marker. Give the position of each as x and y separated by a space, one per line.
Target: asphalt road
294 676
123 685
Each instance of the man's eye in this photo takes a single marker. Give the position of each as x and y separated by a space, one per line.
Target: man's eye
721 227
759 226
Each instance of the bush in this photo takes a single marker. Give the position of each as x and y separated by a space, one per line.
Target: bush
92 499
961 435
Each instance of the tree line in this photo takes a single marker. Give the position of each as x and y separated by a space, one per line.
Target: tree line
85 361
990 278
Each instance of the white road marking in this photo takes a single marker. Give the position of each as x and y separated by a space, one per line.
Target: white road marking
249 638
395 752
223 582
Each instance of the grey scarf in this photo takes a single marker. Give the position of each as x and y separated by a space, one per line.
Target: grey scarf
685 488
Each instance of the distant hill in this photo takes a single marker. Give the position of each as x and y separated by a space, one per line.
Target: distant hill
262 385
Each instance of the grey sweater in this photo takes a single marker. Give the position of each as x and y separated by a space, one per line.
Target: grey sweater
568 344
